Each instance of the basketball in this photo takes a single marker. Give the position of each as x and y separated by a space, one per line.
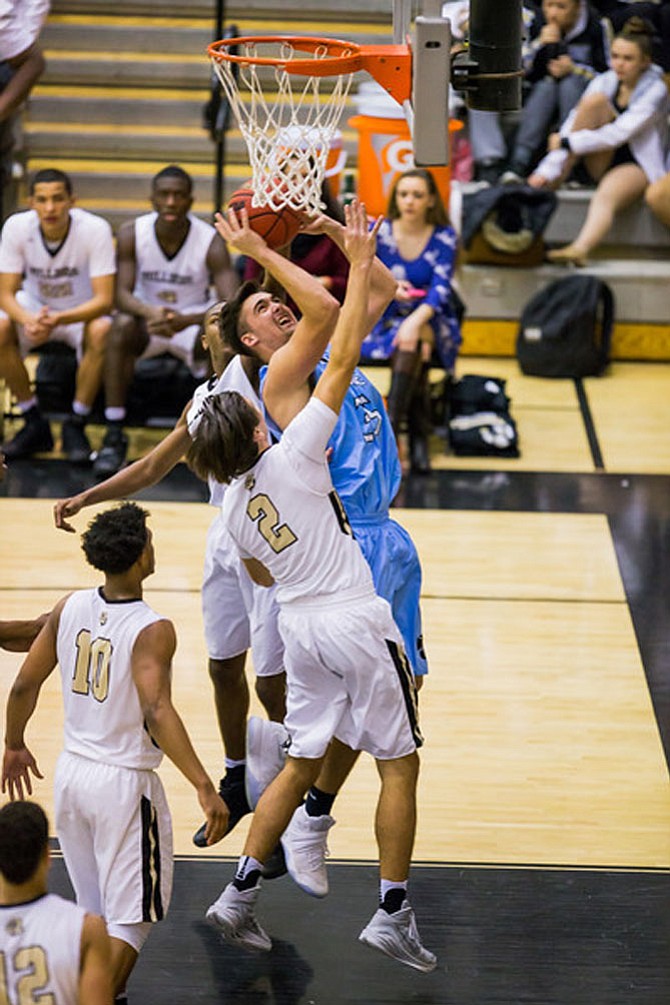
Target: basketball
276 227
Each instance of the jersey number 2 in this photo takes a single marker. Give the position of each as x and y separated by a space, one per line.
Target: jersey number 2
264 513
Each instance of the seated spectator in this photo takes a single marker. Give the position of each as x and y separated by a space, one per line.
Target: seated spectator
657 12
619 130
21 63
419 245
56 285
316 254
568 46
565 46
167 260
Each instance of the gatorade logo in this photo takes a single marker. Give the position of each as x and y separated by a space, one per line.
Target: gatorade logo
394 155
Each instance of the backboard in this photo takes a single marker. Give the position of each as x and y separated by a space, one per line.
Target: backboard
429 36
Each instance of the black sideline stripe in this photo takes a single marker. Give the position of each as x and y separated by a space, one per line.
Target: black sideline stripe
152 904
589 426
406 679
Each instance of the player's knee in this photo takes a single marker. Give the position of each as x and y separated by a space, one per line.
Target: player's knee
228 672
123 333
133 935
271 693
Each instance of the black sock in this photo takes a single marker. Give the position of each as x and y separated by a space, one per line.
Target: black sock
393 900
248 875
235 774
78 420
318 803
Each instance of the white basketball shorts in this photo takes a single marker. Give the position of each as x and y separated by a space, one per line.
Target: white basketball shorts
115 833
348 677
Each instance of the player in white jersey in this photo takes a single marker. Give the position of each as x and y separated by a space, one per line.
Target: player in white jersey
166 262
347 673
115 655
56 285
51 950
236 614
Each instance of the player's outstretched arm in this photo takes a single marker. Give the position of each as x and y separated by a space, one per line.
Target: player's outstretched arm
95 973
146 471
18 762
152 670
18 636
351 329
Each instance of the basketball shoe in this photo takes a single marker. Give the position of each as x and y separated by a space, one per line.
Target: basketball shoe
233 914
267 747
231 790
305 844
397 936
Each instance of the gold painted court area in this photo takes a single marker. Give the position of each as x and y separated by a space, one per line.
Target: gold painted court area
541 744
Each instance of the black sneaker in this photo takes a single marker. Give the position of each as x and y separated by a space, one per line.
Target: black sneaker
33 438
231 790
112 454
76 446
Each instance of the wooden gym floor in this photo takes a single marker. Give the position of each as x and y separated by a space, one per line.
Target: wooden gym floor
543 849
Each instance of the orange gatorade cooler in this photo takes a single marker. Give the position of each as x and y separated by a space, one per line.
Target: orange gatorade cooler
385 148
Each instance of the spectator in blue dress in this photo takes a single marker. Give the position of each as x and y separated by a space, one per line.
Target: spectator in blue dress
419 245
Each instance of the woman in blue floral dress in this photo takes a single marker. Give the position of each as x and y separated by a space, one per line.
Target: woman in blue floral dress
419 246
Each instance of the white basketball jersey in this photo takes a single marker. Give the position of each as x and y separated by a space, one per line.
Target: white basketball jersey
179 282
103 717
233 378
40 947
286 513
58 277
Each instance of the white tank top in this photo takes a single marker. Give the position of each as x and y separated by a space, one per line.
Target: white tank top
179 282
103 717
59 277
233 378
40 943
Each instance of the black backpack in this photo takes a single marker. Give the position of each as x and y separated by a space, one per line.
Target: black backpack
566 329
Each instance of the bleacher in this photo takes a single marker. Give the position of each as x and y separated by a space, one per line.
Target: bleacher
123 95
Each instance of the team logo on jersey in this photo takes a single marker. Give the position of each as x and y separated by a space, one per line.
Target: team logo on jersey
249 482
14 927
103 618
371 418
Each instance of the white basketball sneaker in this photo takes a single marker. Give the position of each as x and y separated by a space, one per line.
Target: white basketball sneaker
233 914
397 936
267 748
305 844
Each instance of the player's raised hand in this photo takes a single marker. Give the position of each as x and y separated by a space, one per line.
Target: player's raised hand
360 240
234 228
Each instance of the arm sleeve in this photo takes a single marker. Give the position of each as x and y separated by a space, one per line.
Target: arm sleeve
306 439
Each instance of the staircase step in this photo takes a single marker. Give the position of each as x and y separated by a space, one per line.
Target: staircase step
640 289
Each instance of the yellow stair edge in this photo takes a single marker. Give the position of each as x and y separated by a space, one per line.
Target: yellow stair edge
249 26
629 341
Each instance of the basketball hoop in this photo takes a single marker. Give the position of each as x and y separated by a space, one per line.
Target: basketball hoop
289 133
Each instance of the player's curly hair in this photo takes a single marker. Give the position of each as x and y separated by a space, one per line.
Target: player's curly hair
223 446
116 538
24 833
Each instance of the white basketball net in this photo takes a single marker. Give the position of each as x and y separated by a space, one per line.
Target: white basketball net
288 133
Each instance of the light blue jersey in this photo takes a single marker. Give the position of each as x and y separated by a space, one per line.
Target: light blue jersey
366 473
